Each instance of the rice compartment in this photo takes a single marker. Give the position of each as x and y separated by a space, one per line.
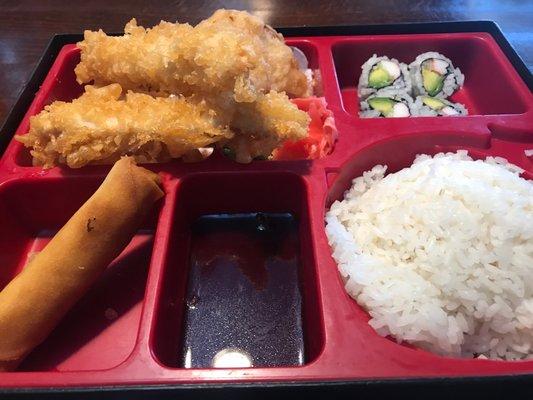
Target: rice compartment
440 254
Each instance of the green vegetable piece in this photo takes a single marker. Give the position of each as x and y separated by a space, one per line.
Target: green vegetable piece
382 104
433 82
433 103
379 78
228 152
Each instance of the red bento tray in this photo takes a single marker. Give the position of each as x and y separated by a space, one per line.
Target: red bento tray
146 285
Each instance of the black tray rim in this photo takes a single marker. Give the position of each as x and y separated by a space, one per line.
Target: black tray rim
445 387
491 387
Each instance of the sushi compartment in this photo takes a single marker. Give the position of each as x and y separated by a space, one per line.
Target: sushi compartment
488 90
231 279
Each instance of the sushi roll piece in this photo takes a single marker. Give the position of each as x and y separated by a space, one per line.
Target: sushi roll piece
434 75
383 72
388 103
427 106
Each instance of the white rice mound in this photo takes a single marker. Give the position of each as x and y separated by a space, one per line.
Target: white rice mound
441 254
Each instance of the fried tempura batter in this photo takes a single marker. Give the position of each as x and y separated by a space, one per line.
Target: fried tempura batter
264 125
229 71
99 127
232 60
232 51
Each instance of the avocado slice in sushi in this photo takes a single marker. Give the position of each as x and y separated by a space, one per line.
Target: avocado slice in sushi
433 81
382 104
433 103
379 78
444 107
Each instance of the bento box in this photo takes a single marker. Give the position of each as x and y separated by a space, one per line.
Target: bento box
143 326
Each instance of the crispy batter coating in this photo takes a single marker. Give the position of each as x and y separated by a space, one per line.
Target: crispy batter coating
264 125
99 127
232 51
229 71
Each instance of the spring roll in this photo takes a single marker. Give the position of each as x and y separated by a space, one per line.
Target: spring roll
34 302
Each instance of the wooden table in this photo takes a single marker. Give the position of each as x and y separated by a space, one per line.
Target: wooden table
26 26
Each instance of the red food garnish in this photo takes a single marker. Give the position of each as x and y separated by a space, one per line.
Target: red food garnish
321 137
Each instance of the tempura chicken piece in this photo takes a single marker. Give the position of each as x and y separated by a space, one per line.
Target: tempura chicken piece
264 125
141 60
102 125
232 51
232 60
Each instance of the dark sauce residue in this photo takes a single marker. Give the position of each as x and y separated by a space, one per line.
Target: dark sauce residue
243 304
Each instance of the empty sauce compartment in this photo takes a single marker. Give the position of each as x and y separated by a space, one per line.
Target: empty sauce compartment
243 304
